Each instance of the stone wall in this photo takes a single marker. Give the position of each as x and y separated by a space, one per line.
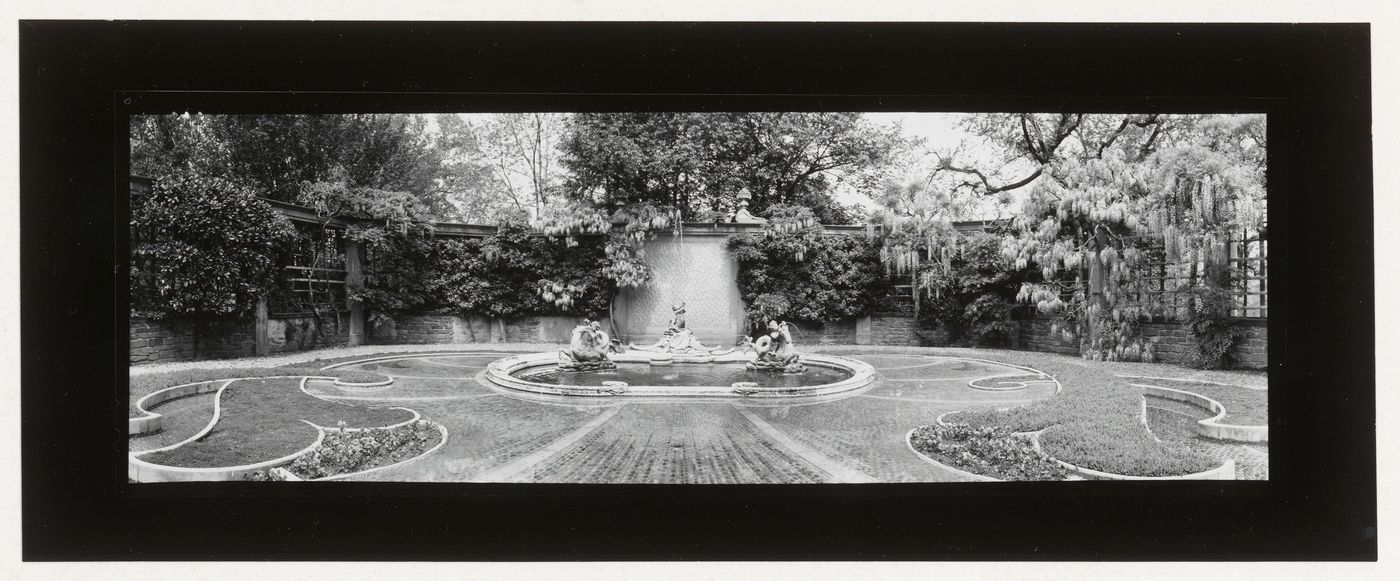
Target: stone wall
169 340
289 333
164 341
1171 342
892 329
841 332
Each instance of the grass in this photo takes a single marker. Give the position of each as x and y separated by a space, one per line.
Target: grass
142 385
261 420
1243 406
1094 423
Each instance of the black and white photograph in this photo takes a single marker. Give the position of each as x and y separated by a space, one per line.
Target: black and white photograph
698 297
592 292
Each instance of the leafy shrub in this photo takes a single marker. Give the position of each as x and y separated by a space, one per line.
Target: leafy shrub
791 270
202 246
1212 328
970 295
496 276
986 450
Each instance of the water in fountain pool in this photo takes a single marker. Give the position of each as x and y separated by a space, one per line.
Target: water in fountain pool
682 374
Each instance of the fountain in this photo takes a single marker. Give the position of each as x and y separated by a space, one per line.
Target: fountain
595 365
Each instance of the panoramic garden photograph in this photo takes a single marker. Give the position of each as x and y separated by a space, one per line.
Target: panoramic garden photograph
698 297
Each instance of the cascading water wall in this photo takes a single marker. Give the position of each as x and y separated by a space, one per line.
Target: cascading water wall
694 268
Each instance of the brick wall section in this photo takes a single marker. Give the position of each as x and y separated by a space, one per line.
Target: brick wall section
161 341
1171 341
841 332
1036 336
300 333
892 329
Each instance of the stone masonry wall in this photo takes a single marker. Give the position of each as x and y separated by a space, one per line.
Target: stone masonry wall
300 333
1171 341
892 329
841 332
163 341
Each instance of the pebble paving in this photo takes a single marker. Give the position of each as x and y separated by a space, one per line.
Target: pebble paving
182 418
499 436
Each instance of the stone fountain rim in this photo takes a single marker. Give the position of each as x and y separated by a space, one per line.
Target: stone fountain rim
499 373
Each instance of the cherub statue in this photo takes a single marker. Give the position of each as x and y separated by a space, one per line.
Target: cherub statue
678 339
774 351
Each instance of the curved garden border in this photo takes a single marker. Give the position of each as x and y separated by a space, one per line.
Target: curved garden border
151 422
1225 471
1210 427
140 470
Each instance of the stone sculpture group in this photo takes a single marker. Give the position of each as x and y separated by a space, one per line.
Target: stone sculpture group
590 346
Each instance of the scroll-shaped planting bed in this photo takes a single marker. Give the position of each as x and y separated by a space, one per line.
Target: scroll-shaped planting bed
260 423
1094 428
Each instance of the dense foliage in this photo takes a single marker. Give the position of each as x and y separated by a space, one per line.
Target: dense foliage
698 162
202 246
971 295
514 273
1094 200
791 270
276 154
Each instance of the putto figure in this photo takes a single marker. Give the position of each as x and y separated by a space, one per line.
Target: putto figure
678 339
774 351
588 349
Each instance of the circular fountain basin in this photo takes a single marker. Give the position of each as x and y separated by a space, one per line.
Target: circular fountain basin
641 373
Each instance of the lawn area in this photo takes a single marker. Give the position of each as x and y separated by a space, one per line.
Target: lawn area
141 385
1095 422
261 420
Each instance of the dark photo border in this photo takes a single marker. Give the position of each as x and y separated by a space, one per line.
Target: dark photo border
80 80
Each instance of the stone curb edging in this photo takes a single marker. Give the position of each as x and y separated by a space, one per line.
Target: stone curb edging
1209 427
909 443
1181 380
1225 471
151 422
499 374
214 419
352 385
142 471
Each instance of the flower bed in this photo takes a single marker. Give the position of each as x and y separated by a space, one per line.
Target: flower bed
346 451
985 450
